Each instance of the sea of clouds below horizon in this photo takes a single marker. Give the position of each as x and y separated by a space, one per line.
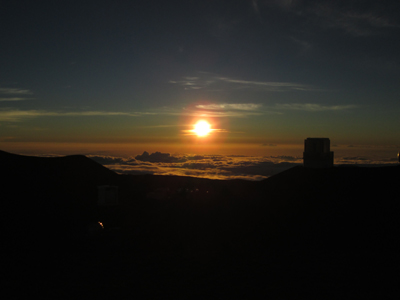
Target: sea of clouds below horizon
222 167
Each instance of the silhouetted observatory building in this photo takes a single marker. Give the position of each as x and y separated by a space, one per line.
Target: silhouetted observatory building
317 153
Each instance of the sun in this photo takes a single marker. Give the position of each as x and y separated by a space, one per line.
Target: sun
202 128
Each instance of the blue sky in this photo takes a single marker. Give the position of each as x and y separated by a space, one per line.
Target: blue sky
144 72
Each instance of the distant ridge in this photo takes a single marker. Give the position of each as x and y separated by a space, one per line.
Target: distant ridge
49 194
71 167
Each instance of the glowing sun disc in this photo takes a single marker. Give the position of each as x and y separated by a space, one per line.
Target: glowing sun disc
202 128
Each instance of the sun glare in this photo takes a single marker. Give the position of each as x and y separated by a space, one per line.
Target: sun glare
202 128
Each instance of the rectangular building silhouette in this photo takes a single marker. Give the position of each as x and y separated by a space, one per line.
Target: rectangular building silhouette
317 153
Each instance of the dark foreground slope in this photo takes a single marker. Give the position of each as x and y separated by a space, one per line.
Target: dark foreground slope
304 233
38 190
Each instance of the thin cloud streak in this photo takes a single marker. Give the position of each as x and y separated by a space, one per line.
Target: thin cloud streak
361 24
214 110
252 109
213 82
238 110
15 99
229 106
14 115
15 91
270 84
334 15
16 94
365 21
313 107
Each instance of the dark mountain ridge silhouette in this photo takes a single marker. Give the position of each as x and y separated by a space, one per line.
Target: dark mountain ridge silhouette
323 233
49 193
73 167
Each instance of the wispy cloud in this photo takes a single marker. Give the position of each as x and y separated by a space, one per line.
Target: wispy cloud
242 110
214 82
253 109
256 10
14 99
313 107
13 115
14 94
304 46
224 110
211 110
217 114
358 20
96 113
271 85
221 110
230 106
361 24
351 20
15 91
159 126
17 115
254 4
193 82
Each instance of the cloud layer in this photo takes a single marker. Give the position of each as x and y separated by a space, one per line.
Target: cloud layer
223 167
205 166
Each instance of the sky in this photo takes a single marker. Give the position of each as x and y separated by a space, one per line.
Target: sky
117 78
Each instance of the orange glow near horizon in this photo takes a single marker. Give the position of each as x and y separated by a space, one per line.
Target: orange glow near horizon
202 128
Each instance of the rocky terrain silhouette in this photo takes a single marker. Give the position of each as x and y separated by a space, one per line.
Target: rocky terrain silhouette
304 233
